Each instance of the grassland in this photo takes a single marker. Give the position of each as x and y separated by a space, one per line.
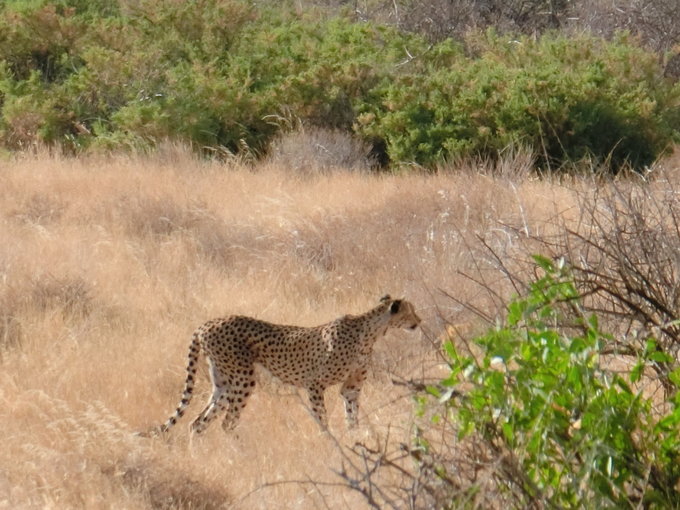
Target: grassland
108 264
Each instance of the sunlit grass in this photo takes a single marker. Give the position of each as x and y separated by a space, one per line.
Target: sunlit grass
108 264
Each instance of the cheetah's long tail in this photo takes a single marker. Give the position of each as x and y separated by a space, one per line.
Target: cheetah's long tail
194 351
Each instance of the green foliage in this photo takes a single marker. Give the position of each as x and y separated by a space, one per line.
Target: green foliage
212 72
232 74
566 98
568 429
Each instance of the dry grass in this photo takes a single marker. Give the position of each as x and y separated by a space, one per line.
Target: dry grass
107 265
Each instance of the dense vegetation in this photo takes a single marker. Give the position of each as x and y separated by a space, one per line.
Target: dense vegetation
563 424
229 75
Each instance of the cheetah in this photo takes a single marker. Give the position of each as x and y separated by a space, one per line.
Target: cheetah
312 358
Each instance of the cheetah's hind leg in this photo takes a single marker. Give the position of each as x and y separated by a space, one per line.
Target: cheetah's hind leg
230 393
238 396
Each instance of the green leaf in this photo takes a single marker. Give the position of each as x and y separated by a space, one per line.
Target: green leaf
450 350
621 383
637 371
544 263
674 377
516 311
433 390
508 433
660 357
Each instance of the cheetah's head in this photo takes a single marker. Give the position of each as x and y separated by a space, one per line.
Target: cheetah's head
402 313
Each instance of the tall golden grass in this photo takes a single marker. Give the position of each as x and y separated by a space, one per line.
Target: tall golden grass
108 264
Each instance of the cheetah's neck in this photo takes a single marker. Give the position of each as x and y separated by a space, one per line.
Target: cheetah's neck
374 324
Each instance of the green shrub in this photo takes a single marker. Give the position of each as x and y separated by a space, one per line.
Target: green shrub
565 430
317 72
227 73
211 72
565 98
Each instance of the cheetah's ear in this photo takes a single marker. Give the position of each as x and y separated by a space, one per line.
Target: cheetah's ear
385 299
395 306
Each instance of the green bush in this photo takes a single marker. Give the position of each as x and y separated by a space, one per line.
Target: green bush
565 430
211 72
228 73
565 98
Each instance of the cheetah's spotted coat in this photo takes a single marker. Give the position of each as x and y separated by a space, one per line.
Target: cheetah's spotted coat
312 358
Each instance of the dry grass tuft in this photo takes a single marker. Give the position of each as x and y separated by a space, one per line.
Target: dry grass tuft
310 151
110 262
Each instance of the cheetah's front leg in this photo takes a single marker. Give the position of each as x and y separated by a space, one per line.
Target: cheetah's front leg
350 393
316 400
